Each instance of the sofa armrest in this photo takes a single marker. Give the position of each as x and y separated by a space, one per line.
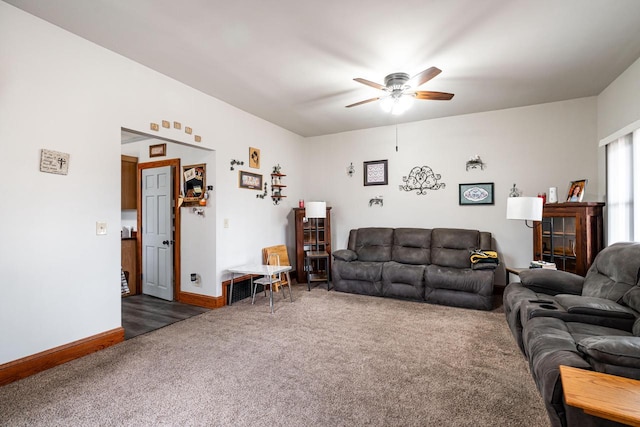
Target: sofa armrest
551 282
345 255
620 351
593 306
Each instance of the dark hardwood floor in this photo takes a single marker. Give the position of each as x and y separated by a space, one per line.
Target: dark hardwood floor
144 313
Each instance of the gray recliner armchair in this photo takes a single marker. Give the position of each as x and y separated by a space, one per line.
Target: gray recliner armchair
596 298
591 323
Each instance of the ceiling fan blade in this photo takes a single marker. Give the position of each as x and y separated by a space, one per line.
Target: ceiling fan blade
435 96
362 102
423 77
370 83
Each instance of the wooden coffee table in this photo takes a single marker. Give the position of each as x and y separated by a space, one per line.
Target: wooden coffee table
602 395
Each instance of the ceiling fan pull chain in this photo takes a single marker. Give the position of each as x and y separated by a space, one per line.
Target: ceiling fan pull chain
396 137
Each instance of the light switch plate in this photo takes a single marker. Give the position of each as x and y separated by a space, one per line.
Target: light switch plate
101 228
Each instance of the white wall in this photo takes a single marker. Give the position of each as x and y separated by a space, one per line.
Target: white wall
59 280
618 110
619 103
535 147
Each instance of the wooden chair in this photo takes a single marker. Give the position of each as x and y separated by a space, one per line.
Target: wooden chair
283 259
274 255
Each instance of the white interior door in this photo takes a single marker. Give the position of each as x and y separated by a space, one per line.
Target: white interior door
157 232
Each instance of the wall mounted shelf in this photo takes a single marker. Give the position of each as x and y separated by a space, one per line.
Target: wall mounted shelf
276 188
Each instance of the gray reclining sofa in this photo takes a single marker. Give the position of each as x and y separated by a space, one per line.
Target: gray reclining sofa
593 323
431 265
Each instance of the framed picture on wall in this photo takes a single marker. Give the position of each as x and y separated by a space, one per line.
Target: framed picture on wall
195 183
158 150
254 158
252 181
476 194
376 172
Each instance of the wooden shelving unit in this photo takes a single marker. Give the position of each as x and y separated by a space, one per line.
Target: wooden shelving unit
569 235
306 241
276 187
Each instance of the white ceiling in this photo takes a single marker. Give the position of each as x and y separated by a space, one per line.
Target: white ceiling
292 62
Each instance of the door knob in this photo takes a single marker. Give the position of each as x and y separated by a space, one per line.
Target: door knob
165 242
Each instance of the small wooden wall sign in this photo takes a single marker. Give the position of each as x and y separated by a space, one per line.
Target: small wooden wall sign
54 162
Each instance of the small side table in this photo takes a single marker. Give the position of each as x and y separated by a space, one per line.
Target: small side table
602 395
317 275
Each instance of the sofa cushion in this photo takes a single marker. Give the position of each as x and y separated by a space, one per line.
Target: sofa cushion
632 298
577 304
620 351
412 246
403 280
345 255
465 279
450 247
358 270
551 282
614 271
374 244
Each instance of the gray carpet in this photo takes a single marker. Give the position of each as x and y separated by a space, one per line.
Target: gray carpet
328 358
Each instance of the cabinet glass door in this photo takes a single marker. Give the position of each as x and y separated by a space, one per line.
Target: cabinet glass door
559 242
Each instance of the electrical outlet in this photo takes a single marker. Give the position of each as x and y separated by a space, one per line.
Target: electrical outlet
226 223
101 228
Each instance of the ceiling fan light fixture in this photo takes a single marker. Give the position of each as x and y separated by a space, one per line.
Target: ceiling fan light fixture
399 97
405 102
386 103
396 105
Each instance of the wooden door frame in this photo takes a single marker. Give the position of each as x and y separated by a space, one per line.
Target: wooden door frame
175 163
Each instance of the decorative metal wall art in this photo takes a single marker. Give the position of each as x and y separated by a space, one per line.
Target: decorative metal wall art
421 179
351 170
376 201
236 162
515 191
475 162
263 195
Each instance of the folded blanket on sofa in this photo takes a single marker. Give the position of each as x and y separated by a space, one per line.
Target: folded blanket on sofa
484 257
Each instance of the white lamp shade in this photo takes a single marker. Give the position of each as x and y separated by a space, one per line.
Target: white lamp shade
316 210
527 208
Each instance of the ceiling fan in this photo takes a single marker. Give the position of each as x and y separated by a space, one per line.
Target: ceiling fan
399 96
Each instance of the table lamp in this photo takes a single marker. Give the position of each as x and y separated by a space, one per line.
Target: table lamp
524 208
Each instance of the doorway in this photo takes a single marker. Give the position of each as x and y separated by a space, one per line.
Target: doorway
142 312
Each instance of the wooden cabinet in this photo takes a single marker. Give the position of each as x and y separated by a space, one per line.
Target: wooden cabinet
569 235
306 239
130 264
129 179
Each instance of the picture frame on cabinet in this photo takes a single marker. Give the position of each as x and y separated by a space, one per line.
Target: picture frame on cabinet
476 194
576 190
